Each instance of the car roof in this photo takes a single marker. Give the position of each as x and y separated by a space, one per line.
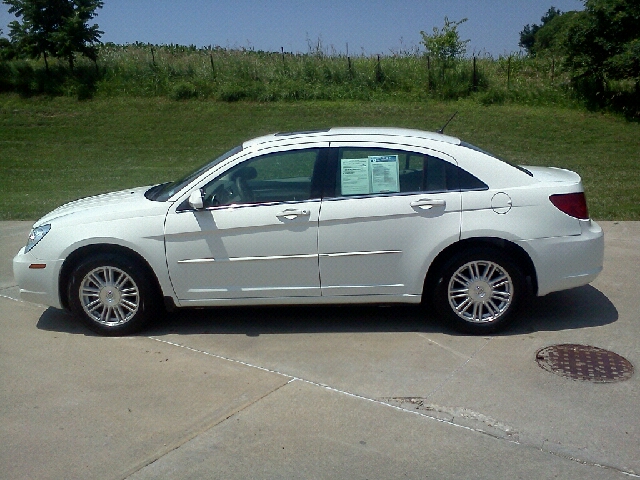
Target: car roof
342 132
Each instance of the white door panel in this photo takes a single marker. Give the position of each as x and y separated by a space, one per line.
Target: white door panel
250 251
379 245
382 244
255 236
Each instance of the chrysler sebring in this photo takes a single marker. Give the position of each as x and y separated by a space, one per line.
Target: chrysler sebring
339 216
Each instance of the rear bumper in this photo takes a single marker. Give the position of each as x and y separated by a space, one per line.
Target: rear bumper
567 262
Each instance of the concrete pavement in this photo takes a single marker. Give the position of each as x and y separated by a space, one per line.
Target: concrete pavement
320 392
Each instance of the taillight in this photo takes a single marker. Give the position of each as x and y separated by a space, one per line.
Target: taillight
574 204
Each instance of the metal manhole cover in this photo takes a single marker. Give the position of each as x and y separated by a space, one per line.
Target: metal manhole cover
583 362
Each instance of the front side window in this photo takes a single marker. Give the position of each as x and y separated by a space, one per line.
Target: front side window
161 193
366 171
275 177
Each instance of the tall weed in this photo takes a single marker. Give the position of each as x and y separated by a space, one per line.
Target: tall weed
186 72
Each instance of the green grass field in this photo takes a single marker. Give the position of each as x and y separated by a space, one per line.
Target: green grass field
59 149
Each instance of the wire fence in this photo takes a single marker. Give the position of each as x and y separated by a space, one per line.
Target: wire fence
185 72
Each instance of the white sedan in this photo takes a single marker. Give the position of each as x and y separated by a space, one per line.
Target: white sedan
339 216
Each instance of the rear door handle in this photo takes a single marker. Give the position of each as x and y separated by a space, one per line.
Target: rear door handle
292 213
428 203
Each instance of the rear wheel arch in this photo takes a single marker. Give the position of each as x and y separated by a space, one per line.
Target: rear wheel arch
512 251
78 256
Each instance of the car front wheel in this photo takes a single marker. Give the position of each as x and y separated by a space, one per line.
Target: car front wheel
110 295
479 291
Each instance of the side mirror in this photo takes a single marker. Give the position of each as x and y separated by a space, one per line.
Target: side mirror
195 200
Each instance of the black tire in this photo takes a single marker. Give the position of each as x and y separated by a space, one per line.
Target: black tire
479 291
111 295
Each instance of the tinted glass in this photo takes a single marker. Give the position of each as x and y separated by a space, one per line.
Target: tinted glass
276 177
162 193
363 171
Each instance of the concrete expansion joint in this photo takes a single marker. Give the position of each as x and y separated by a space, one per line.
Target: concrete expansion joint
194 434
9 297
583 457
221 357
459 417
441 385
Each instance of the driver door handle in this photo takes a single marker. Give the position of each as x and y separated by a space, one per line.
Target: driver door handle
291 213
428 203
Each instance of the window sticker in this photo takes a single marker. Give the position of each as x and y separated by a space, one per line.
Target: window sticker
355 176
385 174
374 174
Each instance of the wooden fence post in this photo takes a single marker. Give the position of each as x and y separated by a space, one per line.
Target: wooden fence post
379 74
474 84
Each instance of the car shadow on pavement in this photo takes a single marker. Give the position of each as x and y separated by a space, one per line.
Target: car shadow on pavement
580 307
57 320
254 321
572 309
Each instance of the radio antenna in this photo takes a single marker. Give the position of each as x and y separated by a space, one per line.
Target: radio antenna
445 125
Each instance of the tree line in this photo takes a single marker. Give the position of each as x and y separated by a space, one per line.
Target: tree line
599 47
52 28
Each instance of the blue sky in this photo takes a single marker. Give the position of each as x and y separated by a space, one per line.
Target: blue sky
369 27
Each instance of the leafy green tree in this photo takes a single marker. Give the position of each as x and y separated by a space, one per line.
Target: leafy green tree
444 44
7 52
529 33
603 44
56 28
552 37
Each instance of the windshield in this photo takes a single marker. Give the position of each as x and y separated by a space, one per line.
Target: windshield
161 193
477 149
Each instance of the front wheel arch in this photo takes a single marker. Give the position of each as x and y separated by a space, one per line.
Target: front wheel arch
78 256
111 294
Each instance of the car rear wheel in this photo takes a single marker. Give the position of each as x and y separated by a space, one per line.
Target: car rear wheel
479 291
111 295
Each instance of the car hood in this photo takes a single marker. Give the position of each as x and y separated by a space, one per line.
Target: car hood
128 203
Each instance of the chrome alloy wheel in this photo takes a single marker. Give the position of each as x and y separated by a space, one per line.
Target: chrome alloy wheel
480 291
109 296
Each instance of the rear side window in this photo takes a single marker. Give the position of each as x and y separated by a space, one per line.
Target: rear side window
367 171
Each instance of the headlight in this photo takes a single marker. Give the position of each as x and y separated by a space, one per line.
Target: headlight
36 235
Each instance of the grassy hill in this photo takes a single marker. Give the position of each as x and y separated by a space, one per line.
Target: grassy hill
53 150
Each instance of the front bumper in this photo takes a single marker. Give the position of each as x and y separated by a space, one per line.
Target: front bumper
37 285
